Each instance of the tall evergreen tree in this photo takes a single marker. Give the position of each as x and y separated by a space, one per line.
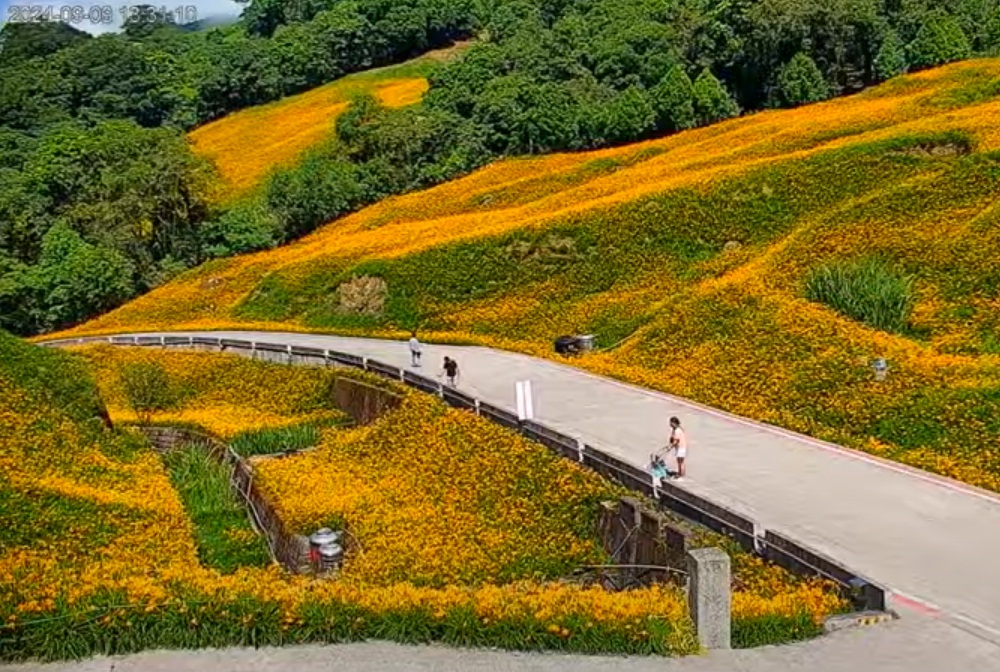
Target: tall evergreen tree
711 100
940 40
673 100
891 58
801 82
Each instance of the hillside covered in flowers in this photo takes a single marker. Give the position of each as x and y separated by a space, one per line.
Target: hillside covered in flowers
102 550
698 260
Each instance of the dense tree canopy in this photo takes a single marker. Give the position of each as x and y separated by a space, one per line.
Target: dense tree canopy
97 183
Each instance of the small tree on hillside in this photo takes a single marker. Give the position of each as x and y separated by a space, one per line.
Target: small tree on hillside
629 116
673 100
801 82
940 40
147 389
891 58
711 100
991 36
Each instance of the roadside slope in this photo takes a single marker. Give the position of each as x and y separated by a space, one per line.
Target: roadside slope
690 254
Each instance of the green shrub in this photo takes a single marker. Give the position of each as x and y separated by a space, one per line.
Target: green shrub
867 291
891 58
940 40
673 100
147 389
800 81
247 227
712 101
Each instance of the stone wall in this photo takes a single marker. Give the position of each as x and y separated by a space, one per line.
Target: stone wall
363 402
291 551
645 539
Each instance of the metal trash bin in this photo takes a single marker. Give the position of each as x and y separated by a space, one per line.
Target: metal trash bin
585 341
331 556
566 345
325 551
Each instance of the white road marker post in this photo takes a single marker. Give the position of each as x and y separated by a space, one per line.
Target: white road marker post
525 408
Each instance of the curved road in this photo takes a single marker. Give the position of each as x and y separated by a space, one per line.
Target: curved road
932 541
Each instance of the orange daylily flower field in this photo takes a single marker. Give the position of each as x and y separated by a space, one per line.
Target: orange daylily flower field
443 549
687 257
247 145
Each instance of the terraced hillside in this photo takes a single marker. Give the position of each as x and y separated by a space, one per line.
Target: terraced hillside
246 145
693 259
107 548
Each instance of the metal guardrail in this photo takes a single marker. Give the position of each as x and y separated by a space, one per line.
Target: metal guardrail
776 547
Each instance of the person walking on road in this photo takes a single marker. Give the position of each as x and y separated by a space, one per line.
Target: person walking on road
678 442
450 369
415 349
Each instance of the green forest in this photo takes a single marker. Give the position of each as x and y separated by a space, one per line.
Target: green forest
102 199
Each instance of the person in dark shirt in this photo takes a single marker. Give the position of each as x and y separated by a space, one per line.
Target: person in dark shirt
450 370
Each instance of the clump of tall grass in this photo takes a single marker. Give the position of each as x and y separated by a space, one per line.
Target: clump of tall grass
224 535
867 290
271 440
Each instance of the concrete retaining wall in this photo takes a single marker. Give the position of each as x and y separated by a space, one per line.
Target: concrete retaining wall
363 402
635 535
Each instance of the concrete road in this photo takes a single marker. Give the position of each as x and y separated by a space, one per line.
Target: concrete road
931 540
918 644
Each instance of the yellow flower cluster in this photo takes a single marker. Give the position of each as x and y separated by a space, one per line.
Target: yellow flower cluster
247 145
437 496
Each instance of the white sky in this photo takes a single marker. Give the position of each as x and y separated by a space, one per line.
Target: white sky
202 9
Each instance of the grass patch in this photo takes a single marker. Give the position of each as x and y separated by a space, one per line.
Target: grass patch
291 438
768 630
867 290
226 541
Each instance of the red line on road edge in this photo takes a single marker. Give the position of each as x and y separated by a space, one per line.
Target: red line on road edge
914 604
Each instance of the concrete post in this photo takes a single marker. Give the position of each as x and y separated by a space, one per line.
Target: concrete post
709 597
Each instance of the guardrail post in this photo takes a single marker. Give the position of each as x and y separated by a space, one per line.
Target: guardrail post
477 406
759 545
709 597
364 363
579 450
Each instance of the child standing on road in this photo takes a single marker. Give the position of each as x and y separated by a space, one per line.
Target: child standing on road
450 369
414 350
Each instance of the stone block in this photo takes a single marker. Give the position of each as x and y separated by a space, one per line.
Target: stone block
709 596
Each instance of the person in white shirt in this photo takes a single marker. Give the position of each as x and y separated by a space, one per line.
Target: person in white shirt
414 349
678 442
